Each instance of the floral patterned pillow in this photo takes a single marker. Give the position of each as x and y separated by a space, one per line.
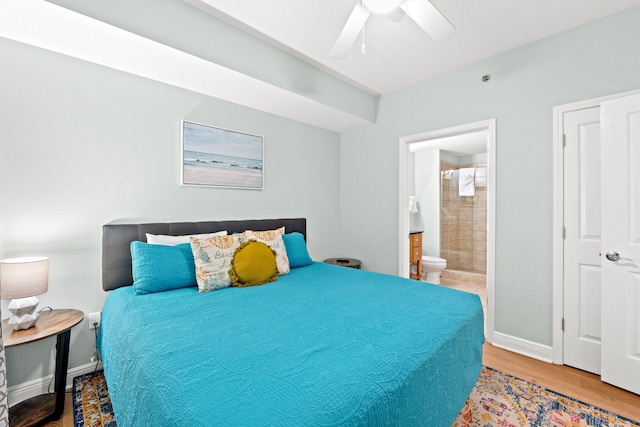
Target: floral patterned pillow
213 257
273 239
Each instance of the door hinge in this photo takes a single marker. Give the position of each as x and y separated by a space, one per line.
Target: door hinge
564 140
563 324
564 232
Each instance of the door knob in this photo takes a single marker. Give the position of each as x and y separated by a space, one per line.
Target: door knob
612 256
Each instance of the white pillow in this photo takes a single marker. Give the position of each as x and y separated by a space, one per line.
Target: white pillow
163 239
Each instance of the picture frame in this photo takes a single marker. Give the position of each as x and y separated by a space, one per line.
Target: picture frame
218 157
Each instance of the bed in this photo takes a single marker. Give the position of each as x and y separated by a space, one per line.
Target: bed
323 345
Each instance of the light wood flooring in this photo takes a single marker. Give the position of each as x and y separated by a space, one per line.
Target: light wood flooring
562 379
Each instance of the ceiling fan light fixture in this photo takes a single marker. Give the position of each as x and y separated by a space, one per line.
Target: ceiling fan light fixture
382 7
422 12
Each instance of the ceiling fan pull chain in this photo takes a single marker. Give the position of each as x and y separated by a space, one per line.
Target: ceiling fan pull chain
364 47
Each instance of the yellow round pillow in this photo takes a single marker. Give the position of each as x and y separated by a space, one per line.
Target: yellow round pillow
253 263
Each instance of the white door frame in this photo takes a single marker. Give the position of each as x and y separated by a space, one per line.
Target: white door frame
403 201
558 214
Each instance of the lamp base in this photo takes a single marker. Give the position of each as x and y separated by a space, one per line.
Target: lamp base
23 313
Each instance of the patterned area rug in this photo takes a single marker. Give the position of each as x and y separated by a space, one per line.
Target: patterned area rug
91 402
497 400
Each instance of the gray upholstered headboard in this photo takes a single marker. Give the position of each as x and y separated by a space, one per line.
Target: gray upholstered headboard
116 238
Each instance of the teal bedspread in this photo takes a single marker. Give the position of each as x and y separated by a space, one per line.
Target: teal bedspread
321 346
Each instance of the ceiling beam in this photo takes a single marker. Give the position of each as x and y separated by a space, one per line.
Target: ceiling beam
54 28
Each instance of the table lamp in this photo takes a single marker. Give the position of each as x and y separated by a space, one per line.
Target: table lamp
21 279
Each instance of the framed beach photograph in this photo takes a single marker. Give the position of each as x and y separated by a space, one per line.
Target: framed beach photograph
216 157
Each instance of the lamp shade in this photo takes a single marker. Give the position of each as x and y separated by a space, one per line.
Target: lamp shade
23 277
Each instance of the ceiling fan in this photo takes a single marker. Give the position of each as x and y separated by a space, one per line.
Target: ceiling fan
421 11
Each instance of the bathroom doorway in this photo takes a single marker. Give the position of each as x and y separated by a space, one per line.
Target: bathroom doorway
447 191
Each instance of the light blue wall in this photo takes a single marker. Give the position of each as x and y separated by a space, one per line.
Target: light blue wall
82 145
597 59
427 183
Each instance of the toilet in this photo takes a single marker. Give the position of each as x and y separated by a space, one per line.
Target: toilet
433 266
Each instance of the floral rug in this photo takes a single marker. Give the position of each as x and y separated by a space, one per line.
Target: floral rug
497 400
91 402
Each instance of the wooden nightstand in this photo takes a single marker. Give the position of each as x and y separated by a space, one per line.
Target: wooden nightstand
46 407
345 262
415 253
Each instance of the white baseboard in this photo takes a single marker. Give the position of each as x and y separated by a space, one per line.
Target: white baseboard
20 392
521 346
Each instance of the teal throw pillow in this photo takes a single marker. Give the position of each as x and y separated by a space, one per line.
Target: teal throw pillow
296 250
158 268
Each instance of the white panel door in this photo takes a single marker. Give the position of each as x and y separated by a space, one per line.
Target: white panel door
620 121
582 219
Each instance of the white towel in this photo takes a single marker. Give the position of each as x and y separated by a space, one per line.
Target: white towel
466 182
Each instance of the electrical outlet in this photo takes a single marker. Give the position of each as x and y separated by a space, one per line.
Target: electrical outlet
94 318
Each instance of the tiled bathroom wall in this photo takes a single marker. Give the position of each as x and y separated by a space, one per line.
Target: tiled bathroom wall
463 224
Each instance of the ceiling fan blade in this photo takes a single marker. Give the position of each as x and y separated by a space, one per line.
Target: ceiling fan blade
350 31
428 18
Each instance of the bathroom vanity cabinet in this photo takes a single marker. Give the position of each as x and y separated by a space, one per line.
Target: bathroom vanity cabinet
415 253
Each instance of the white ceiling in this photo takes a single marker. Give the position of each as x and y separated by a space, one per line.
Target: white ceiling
399 53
